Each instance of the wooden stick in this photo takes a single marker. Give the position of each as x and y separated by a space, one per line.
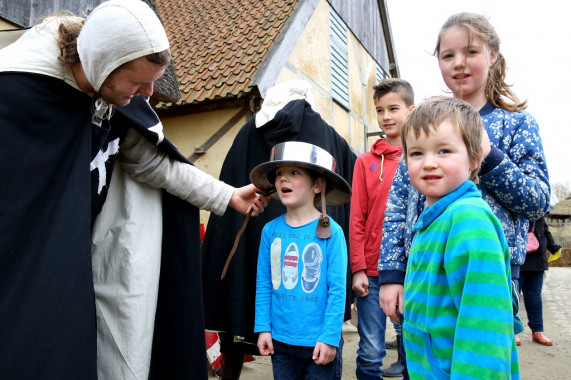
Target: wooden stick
239 234
236 241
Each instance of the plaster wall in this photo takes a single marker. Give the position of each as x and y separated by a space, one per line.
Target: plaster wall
310 61
188 132
7 25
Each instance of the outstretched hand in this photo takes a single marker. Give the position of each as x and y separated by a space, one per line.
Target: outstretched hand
248 198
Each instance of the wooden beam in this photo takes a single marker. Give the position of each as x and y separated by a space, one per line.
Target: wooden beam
198 152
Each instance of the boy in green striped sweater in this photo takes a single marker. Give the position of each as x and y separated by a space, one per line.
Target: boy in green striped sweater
458 320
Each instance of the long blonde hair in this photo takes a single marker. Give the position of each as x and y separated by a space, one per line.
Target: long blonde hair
497 90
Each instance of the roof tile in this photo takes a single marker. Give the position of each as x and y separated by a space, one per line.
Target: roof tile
217 46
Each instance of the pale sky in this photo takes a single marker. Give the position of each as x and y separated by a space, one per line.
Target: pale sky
535 43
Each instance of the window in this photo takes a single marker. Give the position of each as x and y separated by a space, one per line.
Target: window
339 59
379 73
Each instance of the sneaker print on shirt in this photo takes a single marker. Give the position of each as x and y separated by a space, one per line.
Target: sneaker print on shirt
275 264
311 257
290 268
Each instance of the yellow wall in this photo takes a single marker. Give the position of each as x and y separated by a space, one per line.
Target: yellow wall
188 132
7 25
371 116
310 58
311 53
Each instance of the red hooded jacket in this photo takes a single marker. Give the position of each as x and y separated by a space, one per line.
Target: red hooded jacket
372 179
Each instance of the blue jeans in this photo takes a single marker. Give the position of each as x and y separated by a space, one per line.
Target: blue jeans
397 326
518 324
291 362
531 284
402 353
371 324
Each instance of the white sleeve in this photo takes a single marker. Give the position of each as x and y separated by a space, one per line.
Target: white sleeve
144 162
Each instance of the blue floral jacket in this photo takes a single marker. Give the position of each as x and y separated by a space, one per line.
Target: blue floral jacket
513 181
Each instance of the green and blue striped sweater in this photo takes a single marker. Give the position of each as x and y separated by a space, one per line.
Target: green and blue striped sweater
458 317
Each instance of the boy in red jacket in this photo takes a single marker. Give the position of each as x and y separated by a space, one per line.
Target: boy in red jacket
372 179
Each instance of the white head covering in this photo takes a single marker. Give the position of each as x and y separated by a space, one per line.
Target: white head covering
281 94
116 32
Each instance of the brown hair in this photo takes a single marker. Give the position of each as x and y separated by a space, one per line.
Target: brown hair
397 85
477 26
432 112
68 31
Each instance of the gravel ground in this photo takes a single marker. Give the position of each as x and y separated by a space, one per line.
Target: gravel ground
536 361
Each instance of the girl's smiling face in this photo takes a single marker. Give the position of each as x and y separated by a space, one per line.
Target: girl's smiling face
465 64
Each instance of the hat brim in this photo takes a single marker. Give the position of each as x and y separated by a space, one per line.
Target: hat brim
337 193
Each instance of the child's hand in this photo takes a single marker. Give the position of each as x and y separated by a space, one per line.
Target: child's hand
265 345
390 299
323 353
361 283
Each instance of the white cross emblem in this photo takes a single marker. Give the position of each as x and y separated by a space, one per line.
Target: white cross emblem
100 160
158 129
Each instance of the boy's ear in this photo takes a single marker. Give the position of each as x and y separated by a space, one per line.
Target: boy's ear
318 186
411 107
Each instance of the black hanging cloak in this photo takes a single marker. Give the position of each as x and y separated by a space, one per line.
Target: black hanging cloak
229 303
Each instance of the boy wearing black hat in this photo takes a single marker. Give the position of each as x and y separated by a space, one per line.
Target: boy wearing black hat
302 264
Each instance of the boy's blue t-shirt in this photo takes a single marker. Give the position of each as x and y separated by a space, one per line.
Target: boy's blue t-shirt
301 279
